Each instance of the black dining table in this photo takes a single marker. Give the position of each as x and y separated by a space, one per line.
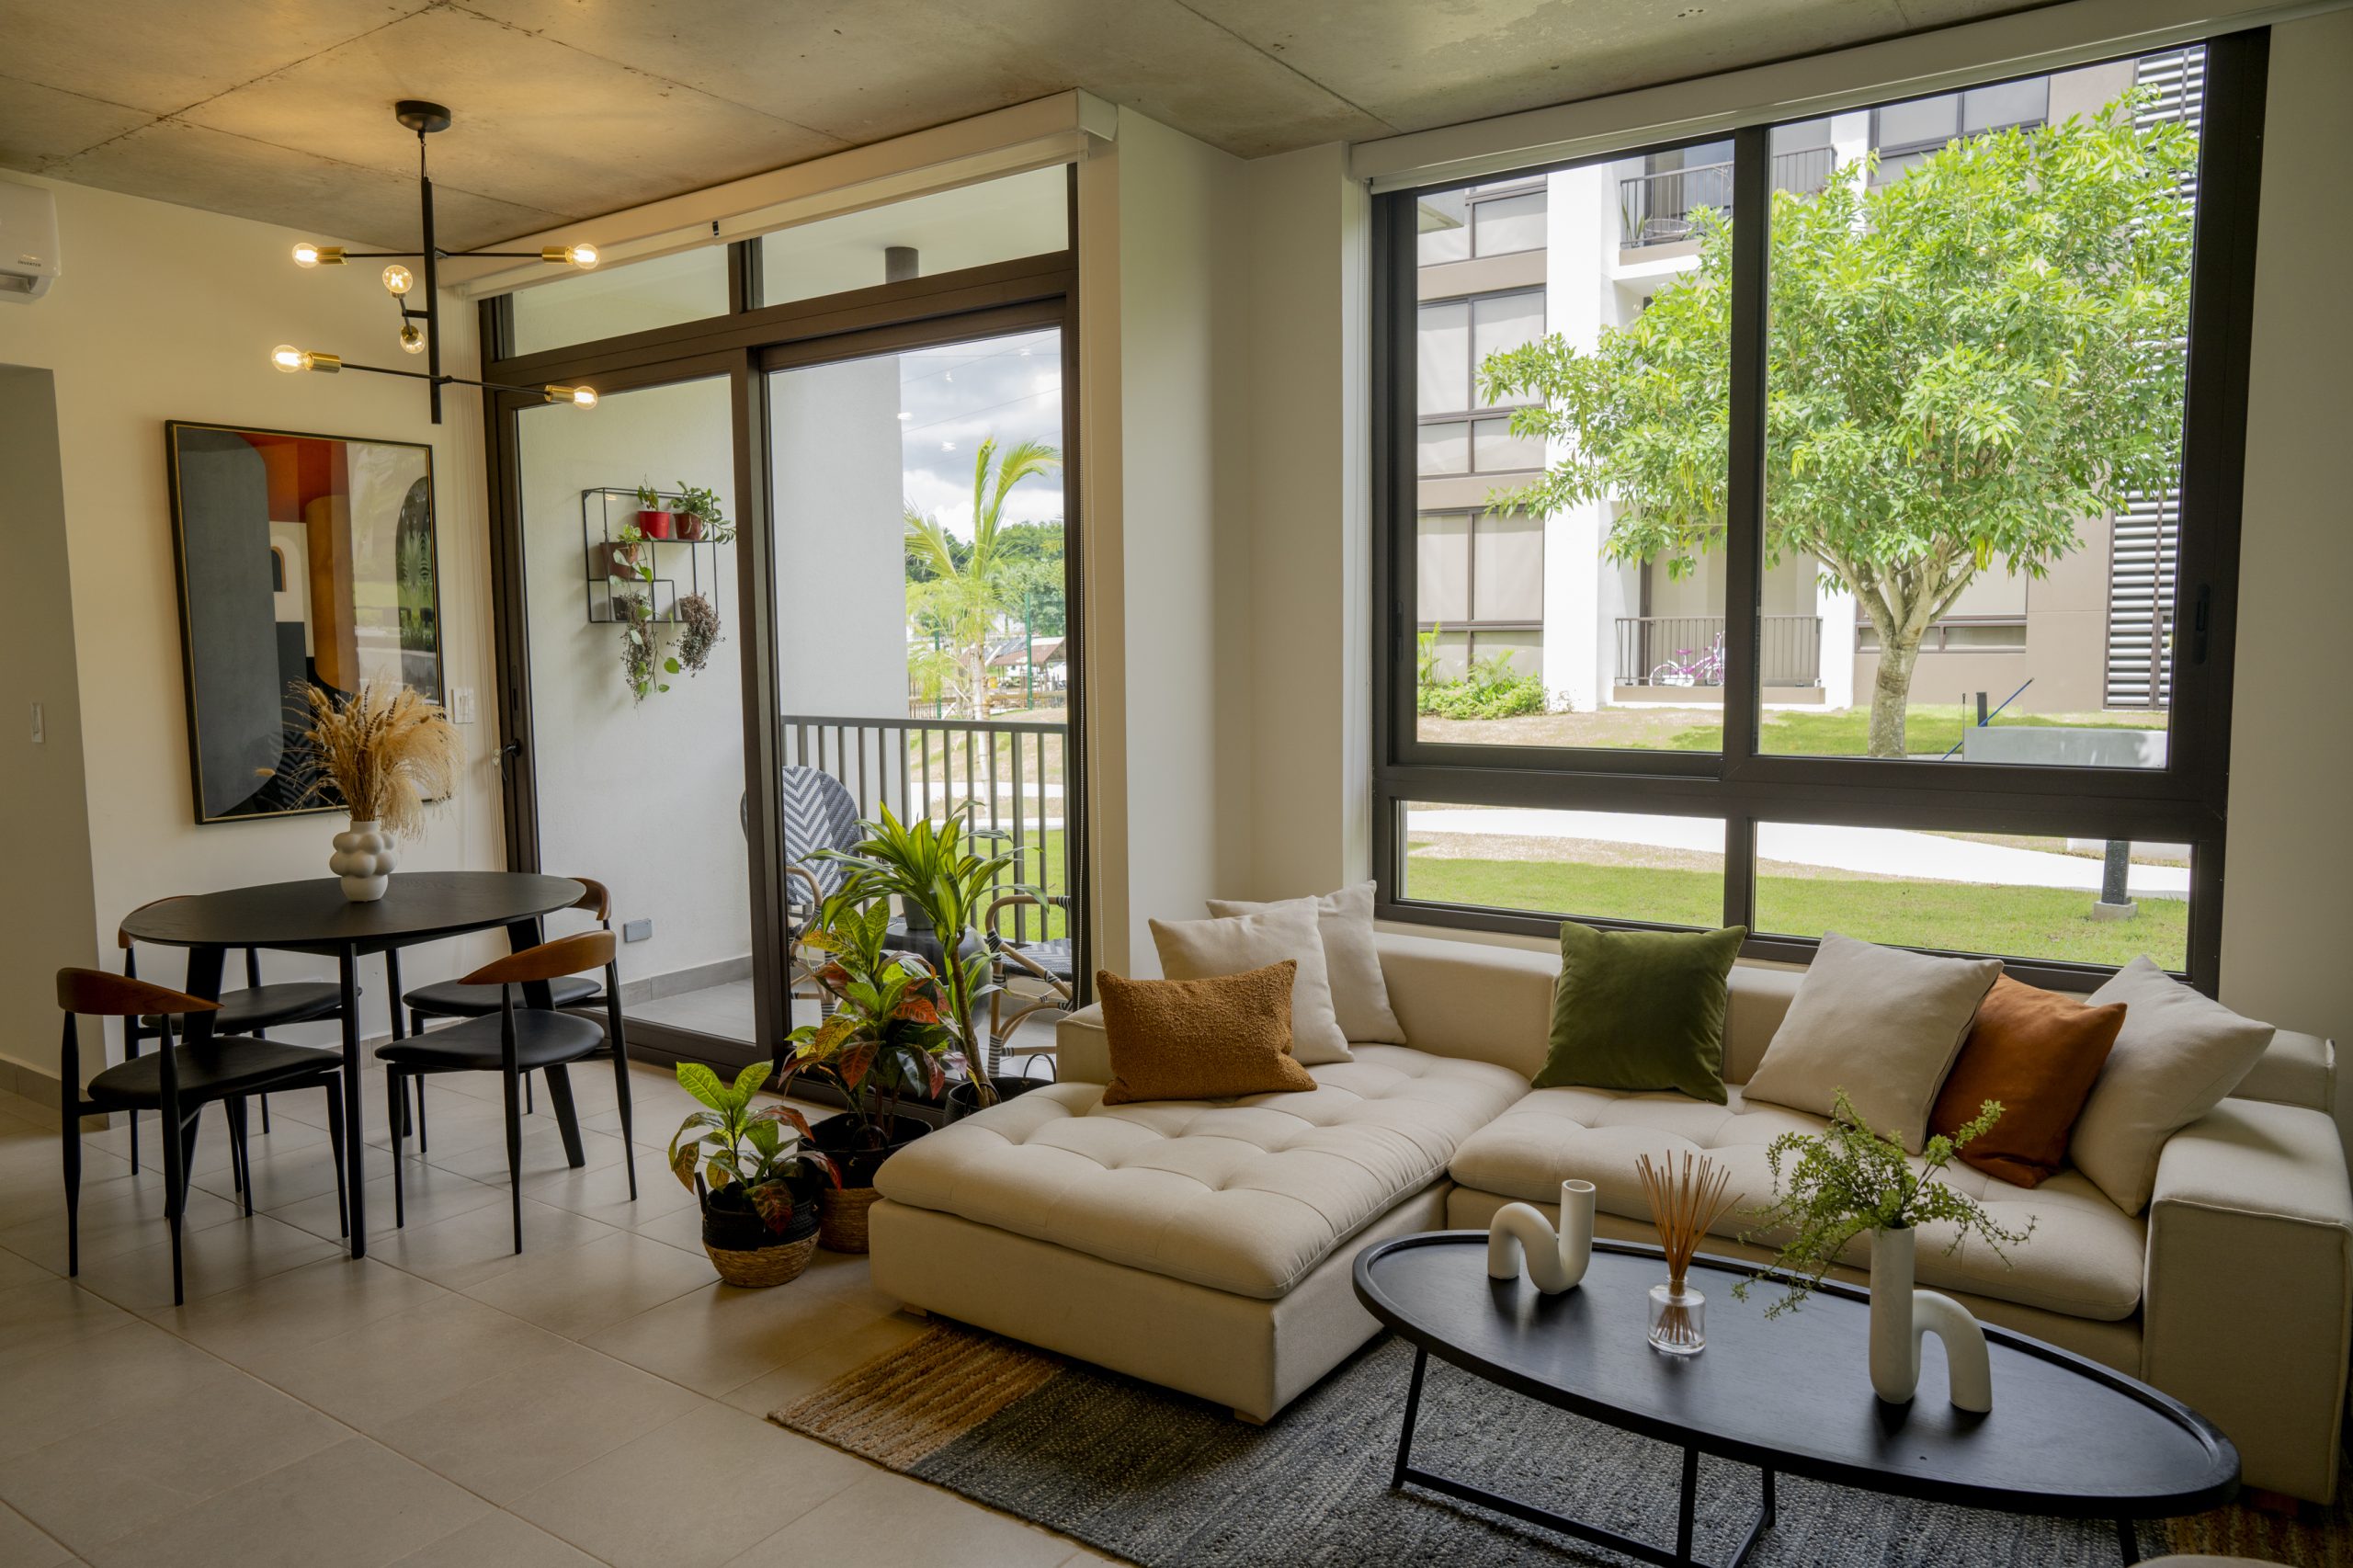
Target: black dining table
313 916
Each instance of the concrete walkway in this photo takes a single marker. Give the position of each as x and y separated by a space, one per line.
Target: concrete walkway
1883 851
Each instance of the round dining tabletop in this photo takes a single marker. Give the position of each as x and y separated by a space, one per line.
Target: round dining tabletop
312 915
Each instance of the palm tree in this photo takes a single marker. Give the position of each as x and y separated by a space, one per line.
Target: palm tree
968 590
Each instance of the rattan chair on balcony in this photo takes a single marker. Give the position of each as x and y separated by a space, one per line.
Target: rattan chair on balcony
1047 963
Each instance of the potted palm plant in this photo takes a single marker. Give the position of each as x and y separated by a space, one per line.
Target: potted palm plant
881 1043
941 883
753 1174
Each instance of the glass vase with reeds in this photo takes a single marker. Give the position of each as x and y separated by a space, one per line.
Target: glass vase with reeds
1688 1195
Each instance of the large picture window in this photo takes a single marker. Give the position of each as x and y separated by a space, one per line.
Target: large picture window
1842 537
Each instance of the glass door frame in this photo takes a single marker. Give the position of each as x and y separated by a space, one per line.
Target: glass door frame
1029 294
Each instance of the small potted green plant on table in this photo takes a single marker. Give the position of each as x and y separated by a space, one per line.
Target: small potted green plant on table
755 1175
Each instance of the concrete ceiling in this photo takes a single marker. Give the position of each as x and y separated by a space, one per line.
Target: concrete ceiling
280 110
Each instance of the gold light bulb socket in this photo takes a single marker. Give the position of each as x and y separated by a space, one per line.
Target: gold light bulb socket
583 257
579 397
309 255
411 338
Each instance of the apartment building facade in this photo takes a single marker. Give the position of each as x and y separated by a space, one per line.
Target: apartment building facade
1578 250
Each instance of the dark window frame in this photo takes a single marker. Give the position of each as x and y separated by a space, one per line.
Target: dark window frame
2187 801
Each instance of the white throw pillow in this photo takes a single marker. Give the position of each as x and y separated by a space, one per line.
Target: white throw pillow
1204 949
1880 1023
1351 959
2178 1053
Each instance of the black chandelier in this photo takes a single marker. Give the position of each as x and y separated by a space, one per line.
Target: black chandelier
426 119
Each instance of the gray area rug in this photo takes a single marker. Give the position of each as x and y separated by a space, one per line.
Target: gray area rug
1162 1479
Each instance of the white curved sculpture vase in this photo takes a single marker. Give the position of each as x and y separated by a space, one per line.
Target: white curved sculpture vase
363 857
1902 1316
1556 1259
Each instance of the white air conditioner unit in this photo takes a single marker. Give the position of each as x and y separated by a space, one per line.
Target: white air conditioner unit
28 241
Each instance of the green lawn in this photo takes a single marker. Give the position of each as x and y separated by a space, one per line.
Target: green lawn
2046 923
1929 729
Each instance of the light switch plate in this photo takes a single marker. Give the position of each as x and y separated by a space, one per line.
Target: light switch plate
636 930
461 705
37 736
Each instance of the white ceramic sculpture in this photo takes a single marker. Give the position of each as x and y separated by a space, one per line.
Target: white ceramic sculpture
1556 1259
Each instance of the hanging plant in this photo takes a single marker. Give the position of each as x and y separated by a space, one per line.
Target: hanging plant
700 621
642 655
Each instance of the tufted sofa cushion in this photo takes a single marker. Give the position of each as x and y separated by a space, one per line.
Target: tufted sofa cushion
1245 1195
2085 1257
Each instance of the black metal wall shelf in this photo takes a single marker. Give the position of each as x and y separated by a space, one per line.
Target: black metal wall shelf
607 514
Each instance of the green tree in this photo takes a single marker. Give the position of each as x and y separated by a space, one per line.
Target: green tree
964 586
1962 362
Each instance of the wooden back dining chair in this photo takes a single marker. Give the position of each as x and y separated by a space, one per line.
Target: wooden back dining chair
176 1082
255 1010
462 999
515 1039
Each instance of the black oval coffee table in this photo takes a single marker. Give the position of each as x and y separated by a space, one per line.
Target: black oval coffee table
312 917
2066 1436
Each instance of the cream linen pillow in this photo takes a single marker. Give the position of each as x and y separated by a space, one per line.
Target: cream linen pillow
1880 1023
2178 1053
1204 949
1351 959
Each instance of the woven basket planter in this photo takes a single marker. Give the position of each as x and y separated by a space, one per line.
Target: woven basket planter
841 1217
763 1266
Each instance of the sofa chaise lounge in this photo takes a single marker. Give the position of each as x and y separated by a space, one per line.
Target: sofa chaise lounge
1206 1245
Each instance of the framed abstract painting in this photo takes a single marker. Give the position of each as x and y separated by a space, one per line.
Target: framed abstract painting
303 561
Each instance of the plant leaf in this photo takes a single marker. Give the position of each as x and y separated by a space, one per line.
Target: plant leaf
703 1084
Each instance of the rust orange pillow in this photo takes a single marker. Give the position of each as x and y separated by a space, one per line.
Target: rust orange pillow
2037 1052
1200 1039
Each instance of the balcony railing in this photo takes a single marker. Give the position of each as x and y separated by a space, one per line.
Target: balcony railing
1687 650
1656 209
1010 770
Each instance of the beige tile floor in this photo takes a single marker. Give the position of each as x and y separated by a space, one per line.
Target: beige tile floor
597 1399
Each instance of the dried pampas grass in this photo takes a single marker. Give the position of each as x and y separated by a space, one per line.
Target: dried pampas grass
385 757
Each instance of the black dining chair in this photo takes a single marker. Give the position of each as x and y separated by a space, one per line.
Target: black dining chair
177 1081
517 1039
254 1011
459 999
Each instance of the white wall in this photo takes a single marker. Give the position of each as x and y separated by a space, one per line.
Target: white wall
165 312
1165 525
641 796
2285 916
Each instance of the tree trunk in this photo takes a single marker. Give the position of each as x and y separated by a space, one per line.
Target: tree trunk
1891 692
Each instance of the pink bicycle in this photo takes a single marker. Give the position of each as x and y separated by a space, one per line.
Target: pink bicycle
1693 666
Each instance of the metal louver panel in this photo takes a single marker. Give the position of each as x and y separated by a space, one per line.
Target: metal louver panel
2145 541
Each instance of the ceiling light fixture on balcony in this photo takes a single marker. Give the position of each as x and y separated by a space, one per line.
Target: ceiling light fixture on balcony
424 118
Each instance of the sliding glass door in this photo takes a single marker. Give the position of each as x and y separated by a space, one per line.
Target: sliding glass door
637 735
923 616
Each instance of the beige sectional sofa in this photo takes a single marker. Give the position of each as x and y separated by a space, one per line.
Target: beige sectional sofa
1207 1246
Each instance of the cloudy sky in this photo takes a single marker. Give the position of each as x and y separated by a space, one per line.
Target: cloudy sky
952 399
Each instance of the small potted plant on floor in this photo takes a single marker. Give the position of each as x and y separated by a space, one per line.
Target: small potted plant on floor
941 883
652 513
881 1043
699 517
753 1174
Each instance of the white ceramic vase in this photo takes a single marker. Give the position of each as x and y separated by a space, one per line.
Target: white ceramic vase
1556 1260
363 857
1903 1316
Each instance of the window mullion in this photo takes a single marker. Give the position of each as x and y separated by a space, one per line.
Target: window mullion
1744 484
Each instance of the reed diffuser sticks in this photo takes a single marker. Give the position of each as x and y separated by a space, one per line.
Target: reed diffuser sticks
1687 1196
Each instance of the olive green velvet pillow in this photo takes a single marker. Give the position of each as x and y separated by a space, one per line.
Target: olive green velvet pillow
1641 1010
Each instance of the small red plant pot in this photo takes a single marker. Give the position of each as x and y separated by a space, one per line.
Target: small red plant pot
690 527
654 525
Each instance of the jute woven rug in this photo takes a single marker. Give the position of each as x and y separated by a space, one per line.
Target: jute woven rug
1170 1482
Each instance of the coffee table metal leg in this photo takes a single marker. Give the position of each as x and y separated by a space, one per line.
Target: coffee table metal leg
1413 1410
1528 1512
1689 1502
2127 1540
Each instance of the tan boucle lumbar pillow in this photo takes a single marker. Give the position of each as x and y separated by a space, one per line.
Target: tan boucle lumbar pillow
1200 1039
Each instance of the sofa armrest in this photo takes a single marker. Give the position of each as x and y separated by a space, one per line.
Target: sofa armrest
2247 1293
1081 1055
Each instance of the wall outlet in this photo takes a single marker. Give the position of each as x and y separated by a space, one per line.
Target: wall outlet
636 930
461 705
